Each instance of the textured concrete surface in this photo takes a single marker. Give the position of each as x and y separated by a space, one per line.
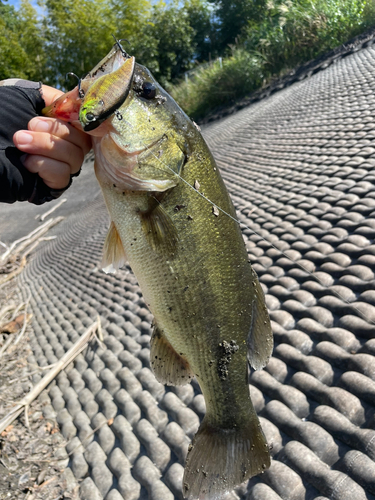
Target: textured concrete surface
18 219
300 166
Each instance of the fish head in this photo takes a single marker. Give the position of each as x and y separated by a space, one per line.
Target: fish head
148 115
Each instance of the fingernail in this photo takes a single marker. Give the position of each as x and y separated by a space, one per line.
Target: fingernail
41 126
24 138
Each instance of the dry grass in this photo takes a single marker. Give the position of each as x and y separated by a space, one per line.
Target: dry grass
32 449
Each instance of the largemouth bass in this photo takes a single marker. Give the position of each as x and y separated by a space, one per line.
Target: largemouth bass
174 222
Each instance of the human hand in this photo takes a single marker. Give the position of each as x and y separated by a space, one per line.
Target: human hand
55 149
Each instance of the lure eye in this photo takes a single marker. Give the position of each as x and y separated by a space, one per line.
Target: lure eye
148 90
90 117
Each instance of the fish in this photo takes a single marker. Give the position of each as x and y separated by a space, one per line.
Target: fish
173 221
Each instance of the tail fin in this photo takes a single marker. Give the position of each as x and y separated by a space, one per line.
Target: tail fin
220 459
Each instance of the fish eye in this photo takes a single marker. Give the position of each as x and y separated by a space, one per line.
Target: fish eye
90 117
148 90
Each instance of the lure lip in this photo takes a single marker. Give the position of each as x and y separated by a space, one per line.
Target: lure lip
65 107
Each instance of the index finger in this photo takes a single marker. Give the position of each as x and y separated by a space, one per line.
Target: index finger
50 94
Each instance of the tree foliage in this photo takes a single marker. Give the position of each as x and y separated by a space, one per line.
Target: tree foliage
73 35
282 35
205 37
166 43
260 37
79 32
232 18
21 43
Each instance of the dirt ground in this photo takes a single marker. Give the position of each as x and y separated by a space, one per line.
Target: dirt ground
33 458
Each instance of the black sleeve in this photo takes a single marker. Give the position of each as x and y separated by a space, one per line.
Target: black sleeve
20 102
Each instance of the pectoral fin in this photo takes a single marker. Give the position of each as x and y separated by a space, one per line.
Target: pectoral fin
159 228
260 338
169 367
113 252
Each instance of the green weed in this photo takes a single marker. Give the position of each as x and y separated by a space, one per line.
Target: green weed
289 34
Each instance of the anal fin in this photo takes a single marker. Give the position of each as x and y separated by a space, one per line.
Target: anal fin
169 367
113 252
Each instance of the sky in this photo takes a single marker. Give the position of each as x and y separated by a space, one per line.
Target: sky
15 3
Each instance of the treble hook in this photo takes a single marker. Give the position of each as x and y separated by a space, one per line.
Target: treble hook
81 93
117 42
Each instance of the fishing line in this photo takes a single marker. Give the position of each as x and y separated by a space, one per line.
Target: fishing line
327 287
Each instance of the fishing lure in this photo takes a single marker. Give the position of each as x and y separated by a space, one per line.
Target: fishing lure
106 95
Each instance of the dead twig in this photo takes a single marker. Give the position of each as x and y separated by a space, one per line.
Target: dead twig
29 238
9 340
42 230
100 331
42 485
68 357
23 260
30 249
13 274
5 465
41 460
36 372
24 323
5 310
17 310
27 423
109 422
46 214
